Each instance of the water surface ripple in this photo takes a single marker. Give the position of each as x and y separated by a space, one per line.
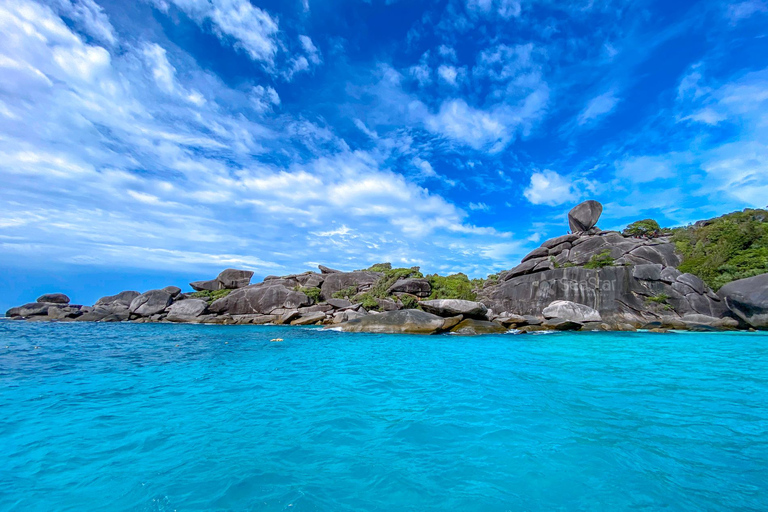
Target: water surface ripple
193 417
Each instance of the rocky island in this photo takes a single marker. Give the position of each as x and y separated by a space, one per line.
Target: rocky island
587 279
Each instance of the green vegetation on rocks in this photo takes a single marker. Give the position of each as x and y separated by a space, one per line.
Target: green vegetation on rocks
210 296
601 260
661 299
391 276
455 286
725 249
346 293
368 301
313 293
409 302
643 228
380 267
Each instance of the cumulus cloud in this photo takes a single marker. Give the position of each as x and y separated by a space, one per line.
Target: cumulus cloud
163 180
550 188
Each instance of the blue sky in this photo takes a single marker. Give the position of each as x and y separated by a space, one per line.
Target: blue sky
152 142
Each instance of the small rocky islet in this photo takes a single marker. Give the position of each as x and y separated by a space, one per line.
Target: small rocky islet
585 280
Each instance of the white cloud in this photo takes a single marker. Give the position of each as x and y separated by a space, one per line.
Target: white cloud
550 188
313 54
479 207
252 29
474 127
742 10
162 70
598 107
166 179
504 8
449 74
447 52
644 169
421 72
706 116
90 17
264 99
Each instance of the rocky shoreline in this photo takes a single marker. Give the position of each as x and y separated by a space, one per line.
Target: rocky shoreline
585 280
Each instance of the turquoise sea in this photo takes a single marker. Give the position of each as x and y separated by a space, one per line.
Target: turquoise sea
192 417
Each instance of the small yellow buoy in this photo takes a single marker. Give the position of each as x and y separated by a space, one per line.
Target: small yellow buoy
277 339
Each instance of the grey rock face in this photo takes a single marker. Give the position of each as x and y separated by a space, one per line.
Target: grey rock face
584 216
453 307
64 312
388 305
406 321
748 299
257 299
553 242
562 324
540 252
648 272
339 303
186 310
417 287
693 282
27 310
54 298
211 285
325 270
173 290
231 278
150 303
341 280
125 298
309 319
572 311
473 327
613 291
310 280
112 311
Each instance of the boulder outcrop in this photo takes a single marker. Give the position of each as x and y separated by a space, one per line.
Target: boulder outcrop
748 299
186 310
414 286
453 307
150 303
125 298
54 298
258 299
620 279
473 327
588 279
338 281
571 311
612 291
229 279
406 321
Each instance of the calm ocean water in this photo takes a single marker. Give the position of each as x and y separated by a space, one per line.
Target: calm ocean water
182 417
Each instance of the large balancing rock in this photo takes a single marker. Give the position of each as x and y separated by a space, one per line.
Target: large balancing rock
584 216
